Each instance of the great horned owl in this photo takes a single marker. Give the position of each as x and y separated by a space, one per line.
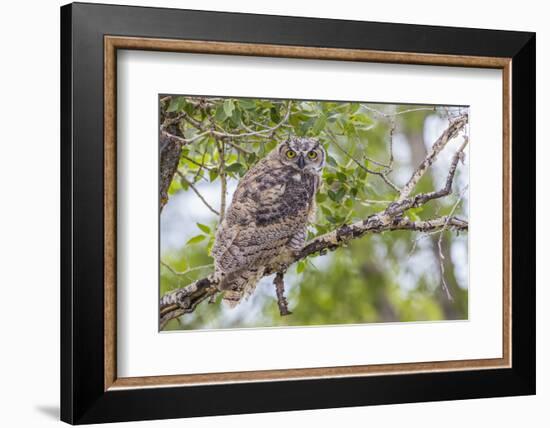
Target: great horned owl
266 222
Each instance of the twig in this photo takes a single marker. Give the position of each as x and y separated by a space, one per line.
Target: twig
199 171
442 269
390 162
202 165
187 272
374 202
260 132
192 186
279 283
381 174
439 242
183 141
238 147
388 115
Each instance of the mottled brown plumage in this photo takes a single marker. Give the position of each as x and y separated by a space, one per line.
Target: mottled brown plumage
268 216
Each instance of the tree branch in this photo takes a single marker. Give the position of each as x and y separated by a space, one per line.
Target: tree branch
382 174
199 195
452 131
280 291
224 134
404 204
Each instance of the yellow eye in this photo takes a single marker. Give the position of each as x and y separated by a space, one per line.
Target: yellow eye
291 154
312 155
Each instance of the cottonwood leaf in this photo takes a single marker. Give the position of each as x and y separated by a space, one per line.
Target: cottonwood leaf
196 239
204 228
228 107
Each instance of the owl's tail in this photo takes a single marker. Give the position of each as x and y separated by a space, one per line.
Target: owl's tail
239 285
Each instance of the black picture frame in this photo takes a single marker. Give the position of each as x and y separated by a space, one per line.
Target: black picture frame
83 396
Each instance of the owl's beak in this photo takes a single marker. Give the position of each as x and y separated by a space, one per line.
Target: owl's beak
301 162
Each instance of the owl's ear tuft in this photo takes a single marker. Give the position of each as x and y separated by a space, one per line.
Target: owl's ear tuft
284 145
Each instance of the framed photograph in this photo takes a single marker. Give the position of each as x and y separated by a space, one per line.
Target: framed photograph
266 213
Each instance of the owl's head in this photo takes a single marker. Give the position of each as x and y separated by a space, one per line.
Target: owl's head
304 154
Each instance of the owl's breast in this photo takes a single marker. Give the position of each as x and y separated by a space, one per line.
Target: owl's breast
300 187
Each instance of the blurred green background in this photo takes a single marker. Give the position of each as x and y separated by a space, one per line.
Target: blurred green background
391 277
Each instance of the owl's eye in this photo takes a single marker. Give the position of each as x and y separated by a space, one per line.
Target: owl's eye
312 154
291 154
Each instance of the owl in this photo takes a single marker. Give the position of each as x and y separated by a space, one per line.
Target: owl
266 222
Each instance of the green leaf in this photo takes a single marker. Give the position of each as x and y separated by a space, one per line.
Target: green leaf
220 114
340 194
331 161
175 185
321 228
353 107
213 174
247 104
236 117
300 266
251 158
176 104
319 124
196 239
362 119
234 167
204 228
326 211
321 197
228 107
341 177
275 115
332 219
209 246
413 213
184 185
